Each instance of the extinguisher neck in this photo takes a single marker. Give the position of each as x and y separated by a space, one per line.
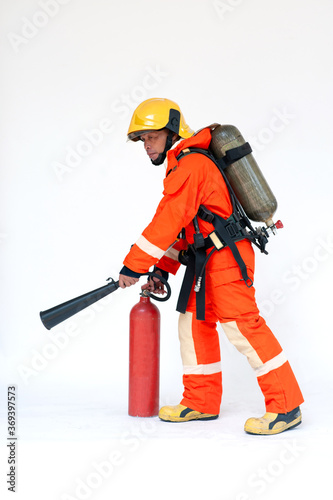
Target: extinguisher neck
144 298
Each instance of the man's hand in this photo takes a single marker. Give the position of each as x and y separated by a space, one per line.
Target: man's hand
125 281
154 285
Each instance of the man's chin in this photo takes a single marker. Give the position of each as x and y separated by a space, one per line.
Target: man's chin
159 159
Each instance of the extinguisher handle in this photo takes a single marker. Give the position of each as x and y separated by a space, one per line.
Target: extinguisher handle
165 283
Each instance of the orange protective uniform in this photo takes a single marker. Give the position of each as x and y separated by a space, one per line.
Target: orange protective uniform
195 180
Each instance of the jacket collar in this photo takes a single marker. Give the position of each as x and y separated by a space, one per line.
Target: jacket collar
200 139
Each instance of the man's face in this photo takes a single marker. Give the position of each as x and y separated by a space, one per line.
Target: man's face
154 142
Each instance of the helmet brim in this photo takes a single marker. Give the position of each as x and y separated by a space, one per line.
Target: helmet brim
135 136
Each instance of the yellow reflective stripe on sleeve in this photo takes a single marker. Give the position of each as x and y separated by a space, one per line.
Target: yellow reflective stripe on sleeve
149 248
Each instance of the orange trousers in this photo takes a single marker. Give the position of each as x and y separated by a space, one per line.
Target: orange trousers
234 306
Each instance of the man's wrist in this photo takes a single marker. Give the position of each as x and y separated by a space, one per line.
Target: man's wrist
126 271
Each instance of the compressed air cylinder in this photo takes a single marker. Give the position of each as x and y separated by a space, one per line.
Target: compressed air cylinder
245 176
144 359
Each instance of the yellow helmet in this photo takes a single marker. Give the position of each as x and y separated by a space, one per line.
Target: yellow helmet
155 114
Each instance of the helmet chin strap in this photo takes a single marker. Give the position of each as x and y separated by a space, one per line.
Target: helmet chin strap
161 157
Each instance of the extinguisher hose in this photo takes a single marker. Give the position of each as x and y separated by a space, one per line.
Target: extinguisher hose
165 283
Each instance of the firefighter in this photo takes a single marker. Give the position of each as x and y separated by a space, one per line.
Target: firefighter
190 182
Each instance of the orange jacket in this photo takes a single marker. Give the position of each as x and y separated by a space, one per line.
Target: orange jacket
193 181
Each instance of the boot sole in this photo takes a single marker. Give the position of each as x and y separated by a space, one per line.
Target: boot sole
182 419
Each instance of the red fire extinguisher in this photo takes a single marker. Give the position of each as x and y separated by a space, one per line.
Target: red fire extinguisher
144 359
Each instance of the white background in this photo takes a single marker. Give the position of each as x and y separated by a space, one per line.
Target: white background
73 200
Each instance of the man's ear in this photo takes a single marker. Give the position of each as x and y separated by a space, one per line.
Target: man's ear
175 138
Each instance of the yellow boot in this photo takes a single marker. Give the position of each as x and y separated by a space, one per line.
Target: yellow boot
273 423
181 413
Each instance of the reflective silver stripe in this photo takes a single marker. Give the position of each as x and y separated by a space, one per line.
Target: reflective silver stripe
272 364
187 349
241 343
209 369
149 248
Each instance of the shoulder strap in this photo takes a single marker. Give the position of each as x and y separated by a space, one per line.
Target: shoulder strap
231 156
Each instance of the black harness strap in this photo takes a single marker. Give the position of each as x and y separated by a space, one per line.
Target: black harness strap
221 228
188 280
194 270
200 287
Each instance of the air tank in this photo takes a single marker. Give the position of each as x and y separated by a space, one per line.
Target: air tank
245 176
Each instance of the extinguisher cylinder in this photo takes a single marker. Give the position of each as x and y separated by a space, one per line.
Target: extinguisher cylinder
144 359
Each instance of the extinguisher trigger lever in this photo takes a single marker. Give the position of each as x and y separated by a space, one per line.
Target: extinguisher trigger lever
165 283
